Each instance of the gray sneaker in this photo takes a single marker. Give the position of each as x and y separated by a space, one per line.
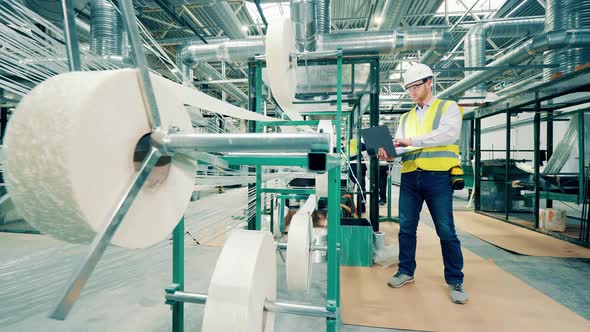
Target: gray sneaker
458 294
399 279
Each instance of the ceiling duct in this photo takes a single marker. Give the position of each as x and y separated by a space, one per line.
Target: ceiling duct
108 35
392 14
534 46
573 15
323 16
475 42
303 17
550 25
351 43
222 14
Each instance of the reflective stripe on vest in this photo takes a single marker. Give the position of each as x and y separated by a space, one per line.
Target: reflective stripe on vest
431 154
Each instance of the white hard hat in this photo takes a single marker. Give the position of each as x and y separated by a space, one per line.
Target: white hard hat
417 72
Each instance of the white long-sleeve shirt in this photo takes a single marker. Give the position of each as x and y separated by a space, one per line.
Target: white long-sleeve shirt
447 132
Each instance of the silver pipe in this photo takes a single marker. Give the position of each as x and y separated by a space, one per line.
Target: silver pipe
374 42
475 41
298 309
104 28
534 46
392 14
248 143
229 51
222 14
108 35
527 83
313 247
385 42
104 236
303 17
269 305
551 24
573 14
323 16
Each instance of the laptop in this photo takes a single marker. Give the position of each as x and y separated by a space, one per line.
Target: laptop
380 137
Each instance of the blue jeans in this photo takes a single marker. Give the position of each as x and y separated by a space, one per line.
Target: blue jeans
434 188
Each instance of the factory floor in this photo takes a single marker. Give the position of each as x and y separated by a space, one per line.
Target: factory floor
126 292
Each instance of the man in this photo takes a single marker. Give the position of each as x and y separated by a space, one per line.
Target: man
433 125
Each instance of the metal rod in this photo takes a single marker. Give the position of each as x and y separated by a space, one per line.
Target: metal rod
103 238
178 274
536 172
539 66
463 16
269 305
476 171
145 84
373 161
261 13
507 183
70 36
549 151
313 247
249 143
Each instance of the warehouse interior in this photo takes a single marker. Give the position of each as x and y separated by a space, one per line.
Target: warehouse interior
206 165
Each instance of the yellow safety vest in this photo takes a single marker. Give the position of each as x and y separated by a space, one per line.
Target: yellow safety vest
439 158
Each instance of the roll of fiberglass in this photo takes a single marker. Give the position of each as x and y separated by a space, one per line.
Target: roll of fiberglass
244 277
73 146
298 246
281 68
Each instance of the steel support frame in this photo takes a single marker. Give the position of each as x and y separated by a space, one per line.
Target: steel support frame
569 84
374 162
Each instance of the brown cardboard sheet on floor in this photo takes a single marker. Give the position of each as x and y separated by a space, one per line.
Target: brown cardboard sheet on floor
498 300
516 239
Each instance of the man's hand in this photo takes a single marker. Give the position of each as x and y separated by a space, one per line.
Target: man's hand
382 155
402 142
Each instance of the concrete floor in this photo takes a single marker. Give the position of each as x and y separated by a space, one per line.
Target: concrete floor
126 292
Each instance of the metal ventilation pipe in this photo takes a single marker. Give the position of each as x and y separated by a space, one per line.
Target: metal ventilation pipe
104 28
376 42
573 14
221 13
303 17
475 41
392 14
386 42
108 35
323 16
551 24
536 45
203 69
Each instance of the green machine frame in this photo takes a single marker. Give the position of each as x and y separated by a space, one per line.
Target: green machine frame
332 167
530 101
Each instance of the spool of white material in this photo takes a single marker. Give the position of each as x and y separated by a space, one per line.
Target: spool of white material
282 70
70 157
298 246
244 277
